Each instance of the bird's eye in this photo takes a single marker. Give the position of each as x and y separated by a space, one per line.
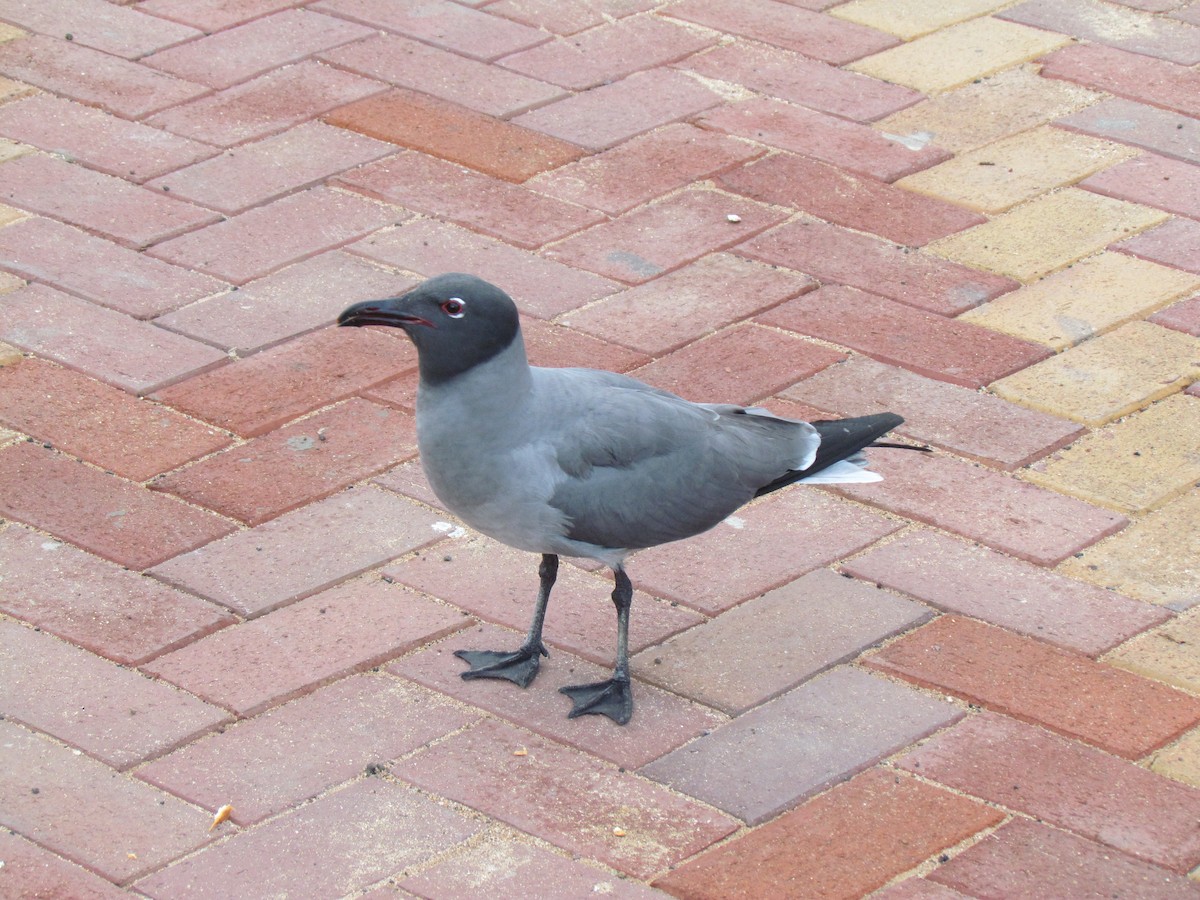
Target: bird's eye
454 308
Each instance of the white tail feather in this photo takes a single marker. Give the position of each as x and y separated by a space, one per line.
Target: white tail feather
846 471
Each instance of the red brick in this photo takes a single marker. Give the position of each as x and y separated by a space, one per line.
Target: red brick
567 16
442 23
654 239
833 254
267 238
455 133
1176 243
345 727
612 113
817 37
1026 521
741 365
92 77
844 844
213 15
1114 709
31 871
240 53
123 829
127 213
297 464
97 24
918 889
254 395
945 349
1024 859
508 211
764 546
1068 785
575 804
974 581
265 105
662 721
795 78
265 311
134 438
411 64
110 712
1158 130
1091 20
353 838
1153 181
685 305
98 605
408 479
1128 75
956 418
644 167
294 650
540 286
255 173
99 270
557 346
99 141
1182 316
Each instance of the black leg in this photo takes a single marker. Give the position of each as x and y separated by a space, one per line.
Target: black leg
612 698
521 665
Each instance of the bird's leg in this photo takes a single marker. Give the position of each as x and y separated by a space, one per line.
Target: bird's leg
612 698
521 665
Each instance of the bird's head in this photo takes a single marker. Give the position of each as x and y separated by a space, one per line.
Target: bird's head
456 322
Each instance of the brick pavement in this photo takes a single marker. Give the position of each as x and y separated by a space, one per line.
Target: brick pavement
223 578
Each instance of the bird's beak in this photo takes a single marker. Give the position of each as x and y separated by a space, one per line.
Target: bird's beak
380 312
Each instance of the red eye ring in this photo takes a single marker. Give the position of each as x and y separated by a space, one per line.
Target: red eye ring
454 308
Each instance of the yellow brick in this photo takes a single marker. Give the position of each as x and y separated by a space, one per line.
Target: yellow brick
1154 559
1046 234
1089 298
1168 653
1180 760
1109 376
1017 168
959 54
1132 465
912 18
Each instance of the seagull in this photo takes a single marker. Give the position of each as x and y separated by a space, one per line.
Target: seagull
583 462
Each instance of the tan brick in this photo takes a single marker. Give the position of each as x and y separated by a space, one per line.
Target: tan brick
10 282
10 90
8 215
12 149
1168 653
1133 465
959 54
912 18
9 32
1047 234
1086 299
1017 168
1154 559
1180 760
9 355
1109 376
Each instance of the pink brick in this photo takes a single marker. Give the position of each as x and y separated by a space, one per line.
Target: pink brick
1128 75
567 17
643 168
97 24
265 311
956 418
654 239
293 651
112 713
98 605
132 215
1068 785
1174 243
1182 316
839 196
89 76
607 115
124 829
99 141
214 15
945 349
798 79
237 54
685 305
1158 130
107 273
31 871
1134 31
254 395
1188 13
1029 522
817 37
558 346
265 105
269 237
411 64
838 255
134 356
1152 181
255 173
578 803
296 555
508 211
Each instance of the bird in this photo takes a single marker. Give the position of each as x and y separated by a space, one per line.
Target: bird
585 462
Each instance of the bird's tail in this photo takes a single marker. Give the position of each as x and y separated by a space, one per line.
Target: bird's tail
839 457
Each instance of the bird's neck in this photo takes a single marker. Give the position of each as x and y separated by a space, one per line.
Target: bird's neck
493 387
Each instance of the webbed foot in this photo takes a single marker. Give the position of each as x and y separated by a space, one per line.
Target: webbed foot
612 698
519 666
